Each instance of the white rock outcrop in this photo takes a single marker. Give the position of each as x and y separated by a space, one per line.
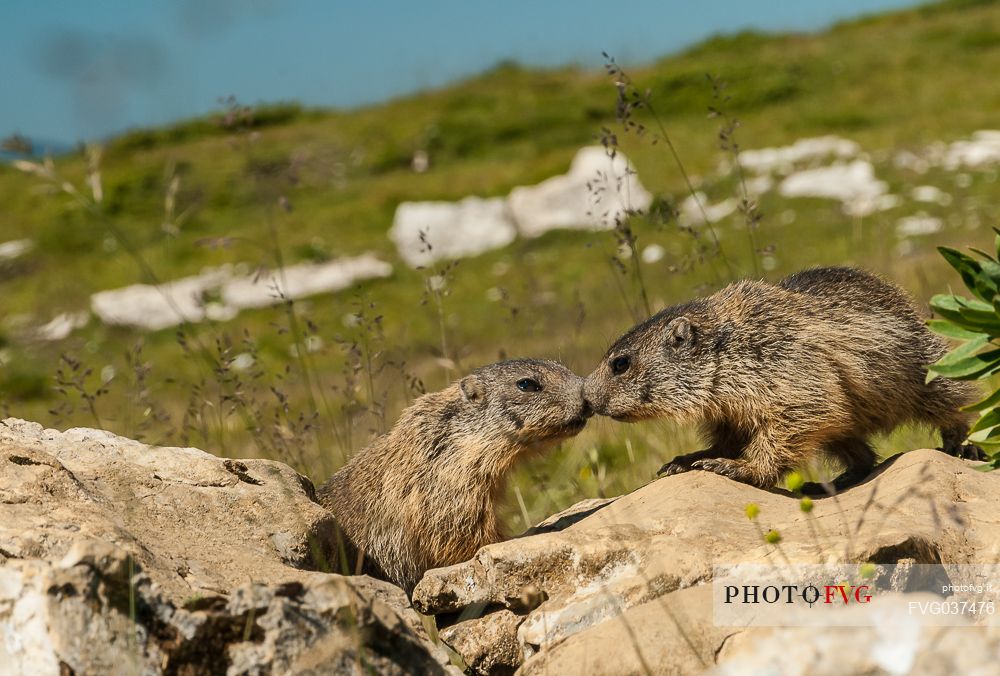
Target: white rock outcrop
15 248
853 184
301 281
784 159
695 209
426 232
918 224
979 152
982 150
930 194
62 325
155 307
597 190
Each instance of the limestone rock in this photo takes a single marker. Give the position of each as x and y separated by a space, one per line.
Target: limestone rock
695 209
155 307
897 645
852 183
302 280
599 589
804 151
15 248
673 634
596 190
425 232
152 307
62 325
979 152
119 557
487 644
97 612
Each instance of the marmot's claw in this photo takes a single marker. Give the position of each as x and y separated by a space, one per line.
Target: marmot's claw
722 466
974 452
817 488
672 468
967 452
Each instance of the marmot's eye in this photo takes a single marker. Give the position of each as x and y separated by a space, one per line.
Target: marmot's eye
619 365
528 385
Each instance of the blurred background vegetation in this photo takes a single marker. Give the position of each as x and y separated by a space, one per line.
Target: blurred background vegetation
288 183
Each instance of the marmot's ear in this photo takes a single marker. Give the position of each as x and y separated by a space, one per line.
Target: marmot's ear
472 389
678 331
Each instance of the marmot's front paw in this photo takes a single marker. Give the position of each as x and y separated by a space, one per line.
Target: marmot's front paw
723 466
674 467
965 452
969 452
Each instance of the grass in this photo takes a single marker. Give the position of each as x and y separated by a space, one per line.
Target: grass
329 372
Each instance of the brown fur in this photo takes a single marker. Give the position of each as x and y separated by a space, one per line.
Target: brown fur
776 373
424 495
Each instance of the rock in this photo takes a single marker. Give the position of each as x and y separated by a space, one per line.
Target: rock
152 307
930 193
487 644
595 192
425 232
697 210
99 613
803 151
302 280
155 307
653 253
673 634
328 626
588 589
118 557
896 645
15 248
853 184
909 160
918 224
62 325
979 152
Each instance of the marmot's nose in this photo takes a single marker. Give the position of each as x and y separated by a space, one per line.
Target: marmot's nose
587 409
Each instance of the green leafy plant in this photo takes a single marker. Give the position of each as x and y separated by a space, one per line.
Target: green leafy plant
976 323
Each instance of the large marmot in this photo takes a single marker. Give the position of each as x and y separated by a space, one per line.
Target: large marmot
776 373
424 495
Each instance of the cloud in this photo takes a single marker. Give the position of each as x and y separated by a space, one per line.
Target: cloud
207 18
102 70
76 56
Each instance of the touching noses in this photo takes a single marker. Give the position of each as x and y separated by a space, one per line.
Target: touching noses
587 409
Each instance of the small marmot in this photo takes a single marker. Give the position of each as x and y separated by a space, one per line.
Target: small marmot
425 494
775 373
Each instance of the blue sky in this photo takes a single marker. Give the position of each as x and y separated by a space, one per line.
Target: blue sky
82 69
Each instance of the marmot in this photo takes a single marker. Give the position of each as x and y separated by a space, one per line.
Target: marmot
424 495
775 373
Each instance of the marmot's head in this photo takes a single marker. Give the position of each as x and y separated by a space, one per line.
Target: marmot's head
663 367
527 401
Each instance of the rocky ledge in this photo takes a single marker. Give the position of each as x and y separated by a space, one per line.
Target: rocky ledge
120 557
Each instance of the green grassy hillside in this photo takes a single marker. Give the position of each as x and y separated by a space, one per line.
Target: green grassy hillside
890 83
